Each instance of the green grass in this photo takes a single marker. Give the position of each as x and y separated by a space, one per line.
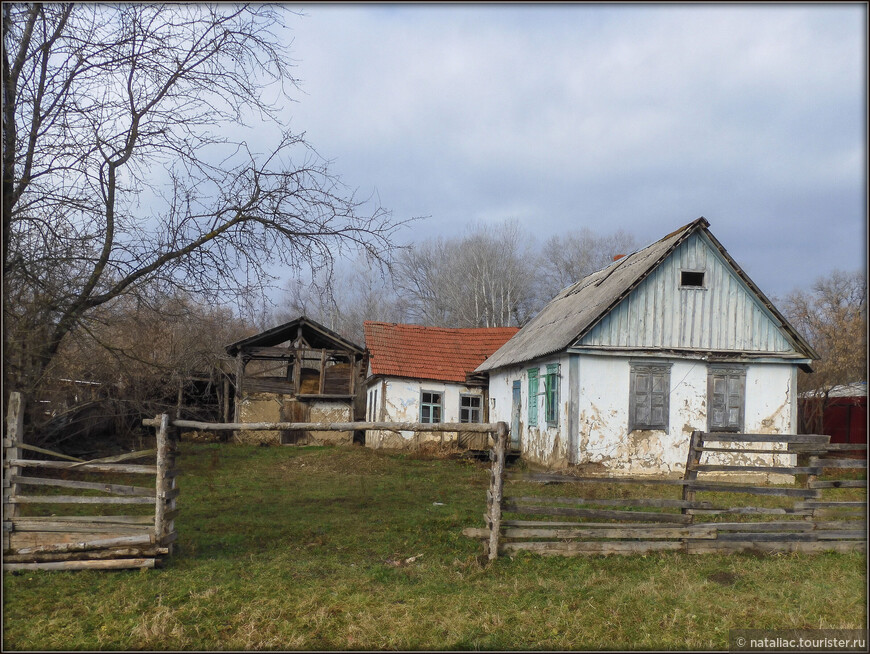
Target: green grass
307 548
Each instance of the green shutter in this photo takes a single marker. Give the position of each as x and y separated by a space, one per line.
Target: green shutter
551 394
533 397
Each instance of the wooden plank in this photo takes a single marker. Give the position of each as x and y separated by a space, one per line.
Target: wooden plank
599 547
77 499
776 536
818 504
780 525
654 502
840 524
821 462
110 564
845 534
839 513
118 458
111 519
654 533
117 489
113 553
477 427
830 447
96 544
752 510
738 450
838 483
22 539
722 547
766 438
42 450
88 467
497 481
63 525
554 478
753 490
559 524
708 467
597 513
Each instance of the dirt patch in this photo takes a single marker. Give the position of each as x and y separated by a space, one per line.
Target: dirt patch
723 578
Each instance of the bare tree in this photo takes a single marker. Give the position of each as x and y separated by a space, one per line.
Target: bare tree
355 292
833 318
569 257
120 168
482 279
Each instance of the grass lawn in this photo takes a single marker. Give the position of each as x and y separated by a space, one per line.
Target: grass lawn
349 548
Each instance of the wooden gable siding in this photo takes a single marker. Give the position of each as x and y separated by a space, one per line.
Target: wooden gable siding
723 316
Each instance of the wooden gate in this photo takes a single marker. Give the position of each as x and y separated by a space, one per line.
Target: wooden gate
49 516
822 510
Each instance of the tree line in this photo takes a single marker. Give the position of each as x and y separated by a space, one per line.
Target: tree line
136 211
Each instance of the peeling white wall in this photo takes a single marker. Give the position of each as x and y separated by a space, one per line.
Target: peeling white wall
600 423
541 443
399 401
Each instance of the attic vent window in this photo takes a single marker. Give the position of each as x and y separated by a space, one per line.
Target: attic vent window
691 279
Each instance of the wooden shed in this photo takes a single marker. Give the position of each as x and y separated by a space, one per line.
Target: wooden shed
300 371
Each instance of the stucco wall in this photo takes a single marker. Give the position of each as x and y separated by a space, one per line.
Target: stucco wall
399 401
596 433
548 445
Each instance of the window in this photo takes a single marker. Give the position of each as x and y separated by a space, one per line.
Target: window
649 396
533 397
551 395
692 278
430 406
469 408
373 405
726 396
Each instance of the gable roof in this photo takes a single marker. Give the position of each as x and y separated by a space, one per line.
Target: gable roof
436 353
579 307
315 334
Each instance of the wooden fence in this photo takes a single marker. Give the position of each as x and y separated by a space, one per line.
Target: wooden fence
624 515
64 531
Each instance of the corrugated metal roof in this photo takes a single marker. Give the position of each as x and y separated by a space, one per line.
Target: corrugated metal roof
436 353
579 307
855 389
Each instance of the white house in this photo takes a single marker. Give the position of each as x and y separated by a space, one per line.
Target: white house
619 369
421 374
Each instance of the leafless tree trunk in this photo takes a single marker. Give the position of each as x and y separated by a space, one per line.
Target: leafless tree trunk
121 168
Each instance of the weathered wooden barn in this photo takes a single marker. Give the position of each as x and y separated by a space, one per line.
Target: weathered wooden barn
297 372
619 368
425 374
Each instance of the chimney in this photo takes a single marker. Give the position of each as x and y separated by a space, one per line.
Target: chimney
617 257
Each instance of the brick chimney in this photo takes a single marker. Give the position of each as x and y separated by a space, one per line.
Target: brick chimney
617 257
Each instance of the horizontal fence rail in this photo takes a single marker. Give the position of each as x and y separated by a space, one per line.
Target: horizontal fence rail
88 539
477 427
628 515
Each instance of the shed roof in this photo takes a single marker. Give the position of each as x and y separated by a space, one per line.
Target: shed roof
315 334
579 307
437 353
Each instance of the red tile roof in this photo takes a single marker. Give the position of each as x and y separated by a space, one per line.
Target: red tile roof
438 353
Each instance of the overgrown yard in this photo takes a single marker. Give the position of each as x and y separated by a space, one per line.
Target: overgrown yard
349 548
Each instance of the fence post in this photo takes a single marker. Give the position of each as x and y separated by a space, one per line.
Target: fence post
691 472
14 435
165 484
496 488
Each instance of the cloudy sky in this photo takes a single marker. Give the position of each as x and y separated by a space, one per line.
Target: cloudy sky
634 117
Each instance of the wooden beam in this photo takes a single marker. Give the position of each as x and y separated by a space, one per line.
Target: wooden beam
111 564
